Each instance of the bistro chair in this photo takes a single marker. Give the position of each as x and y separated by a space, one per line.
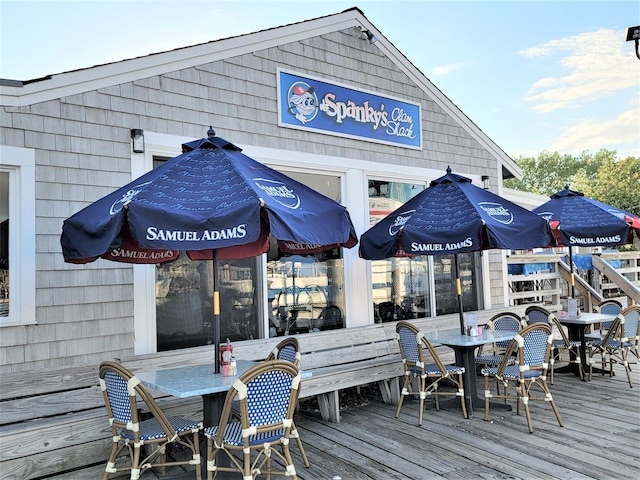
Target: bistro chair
563 344
267 393
415 350
620 339
501 322
121 390
532 348
608 307
631 318
289 350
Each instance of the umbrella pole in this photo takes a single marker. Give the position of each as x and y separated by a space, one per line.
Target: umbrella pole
459 292
573 281
216 313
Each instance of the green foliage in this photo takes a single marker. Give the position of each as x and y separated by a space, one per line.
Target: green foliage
550 172
615 183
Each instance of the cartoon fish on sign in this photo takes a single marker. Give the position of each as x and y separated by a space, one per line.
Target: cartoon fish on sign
303 102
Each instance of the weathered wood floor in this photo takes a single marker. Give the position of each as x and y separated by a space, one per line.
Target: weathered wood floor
600 439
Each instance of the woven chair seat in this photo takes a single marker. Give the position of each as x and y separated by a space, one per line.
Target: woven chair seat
433 369
512 372
558 342
152 430
233 435
492 359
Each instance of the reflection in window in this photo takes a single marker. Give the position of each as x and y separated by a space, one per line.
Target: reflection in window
306 293
4 244
400 285
445 283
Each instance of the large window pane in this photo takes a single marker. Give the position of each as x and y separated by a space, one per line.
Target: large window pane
445 283
306 293
400 285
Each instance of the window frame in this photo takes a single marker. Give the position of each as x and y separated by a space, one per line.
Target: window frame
20 164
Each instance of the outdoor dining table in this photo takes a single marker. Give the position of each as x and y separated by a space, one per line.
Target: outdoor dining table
464 347
576 329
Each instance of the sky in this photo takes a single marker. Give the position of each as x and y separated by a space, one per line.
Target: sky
533 75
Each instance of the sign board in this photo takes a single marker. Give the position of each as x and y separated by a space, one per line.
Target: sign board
322 106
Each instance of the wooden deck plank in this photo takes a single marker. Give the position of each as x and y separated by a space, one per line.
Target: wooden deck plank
599 440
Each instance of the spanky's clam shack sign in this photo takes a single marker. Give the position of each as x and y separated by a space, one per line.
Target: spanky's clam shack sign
309 103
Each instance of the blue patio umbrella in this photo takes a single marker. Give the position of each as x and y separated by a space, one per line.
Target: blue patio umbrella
578 220
454 216
213 202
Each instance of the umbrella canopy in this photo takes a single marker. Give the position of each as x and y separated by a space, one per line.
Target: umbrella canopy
453 216
581 221
213 202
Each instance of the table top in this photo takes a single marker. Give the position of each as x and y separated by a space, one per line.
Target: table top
587 319
194 380
454 338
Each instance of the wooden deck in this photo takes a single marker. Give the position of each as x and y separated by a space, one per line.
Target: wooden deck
600 439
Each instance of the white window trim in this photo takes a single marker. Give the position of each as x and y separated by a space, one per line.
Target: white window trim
20 164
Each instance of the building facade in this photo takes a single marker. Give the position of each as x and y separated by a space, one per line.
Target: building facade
318 100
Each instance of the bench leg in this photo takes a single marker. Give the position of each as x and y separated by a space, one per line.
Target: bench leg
394 388
329 404
385 391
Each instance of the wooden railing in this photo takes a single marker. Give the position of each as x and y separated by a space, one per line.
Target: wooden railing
546 278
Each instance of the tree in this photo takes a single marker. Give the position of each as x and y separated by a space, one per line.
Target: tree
615 183
550 172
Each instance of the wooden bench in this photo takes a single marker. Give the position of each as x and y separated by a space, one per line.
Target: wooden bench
53 422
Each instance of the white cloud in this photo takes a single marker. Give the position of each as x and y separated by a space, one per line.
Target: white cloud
598 64
446 69
621 134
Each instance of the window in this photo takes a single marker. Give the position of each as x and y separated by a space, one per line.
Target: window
17 236
305 294
445 282
400 285
4 244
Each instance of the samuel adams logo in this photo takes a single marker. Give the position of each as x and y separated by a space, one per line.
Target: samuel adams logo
497 211
126 198
399 222
278 192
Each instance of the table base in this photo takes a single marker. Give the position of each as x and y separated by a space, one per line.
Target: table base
477 403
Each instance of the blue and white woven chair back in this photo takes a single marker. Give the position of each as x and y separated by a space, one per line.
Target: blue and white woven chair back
505 324
118 394
535 347
409 343
288 353
609 309
537 316
631 320
268 397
